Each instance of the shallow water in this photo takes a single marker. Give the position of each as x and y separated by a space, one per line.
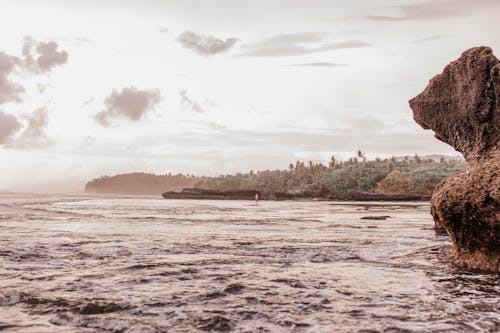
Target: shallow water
83 264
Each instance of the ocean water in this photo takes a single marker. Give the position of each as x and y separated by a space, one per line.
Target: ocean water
95 264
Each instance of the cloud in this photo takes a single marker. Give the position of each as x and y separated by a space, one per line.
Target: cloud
205 44
318 64
9 91
280 143
297 44
189 104
49 56
436 9
217 126
88 101
348 44
34 135
293 38
9 125
46 55
129 103
431 38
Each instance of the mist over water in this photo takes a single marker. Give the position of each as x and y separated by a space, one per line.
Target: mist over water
88 264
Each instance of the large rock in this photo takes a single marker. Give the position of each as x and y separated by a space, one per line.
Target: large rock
467 205
462 104
462 107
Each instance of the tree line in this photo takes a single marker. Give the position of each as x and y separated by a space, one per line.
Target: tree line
394 175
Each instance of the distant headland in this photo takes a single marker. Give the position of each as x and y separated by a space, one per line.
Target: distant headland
358 178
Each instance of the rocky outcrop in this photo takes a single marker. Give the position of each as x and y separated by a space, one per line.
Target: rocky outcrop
462 104
467 205
462 107
202 194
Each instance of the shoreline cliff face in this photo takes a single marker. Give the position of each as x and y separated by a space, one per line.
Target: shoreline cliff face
462 106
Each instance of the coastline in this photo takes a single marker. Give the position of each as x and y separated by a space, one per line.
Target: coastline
202 194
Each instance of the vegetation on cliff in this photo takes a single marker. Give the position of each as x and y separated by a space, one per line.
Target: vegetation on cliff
393 175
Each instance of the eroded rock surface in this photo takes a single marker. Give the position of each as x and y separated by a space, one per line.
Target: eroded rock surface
462 107
462 104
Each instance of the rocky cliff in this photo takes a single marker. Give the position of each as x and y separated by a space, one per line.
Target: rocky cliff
462 106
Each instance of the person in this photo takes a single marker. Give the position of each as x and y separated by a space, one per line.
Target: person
257 196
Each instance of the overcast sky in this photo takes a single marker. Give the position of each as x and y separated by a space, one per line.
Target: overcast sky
208 87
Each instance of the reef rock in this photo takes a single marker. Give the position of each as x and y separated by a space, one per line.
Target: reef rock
200 194
462 106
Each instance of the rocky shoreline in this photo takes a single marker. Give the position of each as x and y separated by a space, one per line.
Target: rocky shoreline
203 194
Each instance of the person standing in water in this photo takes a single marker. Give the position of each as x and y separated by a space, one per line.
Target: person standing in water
257 197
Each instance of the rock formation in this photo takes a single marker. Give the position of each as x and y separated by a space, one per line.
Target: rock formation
204 194
462 106
200 194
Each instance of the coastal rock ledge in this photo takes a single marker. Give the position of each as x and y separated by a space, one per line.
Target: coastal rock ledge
462 106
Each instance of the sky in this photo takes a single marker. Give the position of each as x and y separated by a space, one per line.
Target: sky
92 87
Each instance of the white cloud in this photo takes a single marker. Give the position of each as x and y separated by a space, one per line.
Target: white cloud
9 91
130 103
9 125
189 104
295 44
34 135
434 9
205 44
46 55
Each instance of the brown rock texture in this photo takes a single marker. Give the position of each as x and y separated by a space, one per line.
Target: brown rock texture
200 194
462 106
467 205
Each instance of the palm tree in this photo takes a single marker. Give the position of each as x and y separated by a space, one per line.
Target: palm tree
361 155
333 163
